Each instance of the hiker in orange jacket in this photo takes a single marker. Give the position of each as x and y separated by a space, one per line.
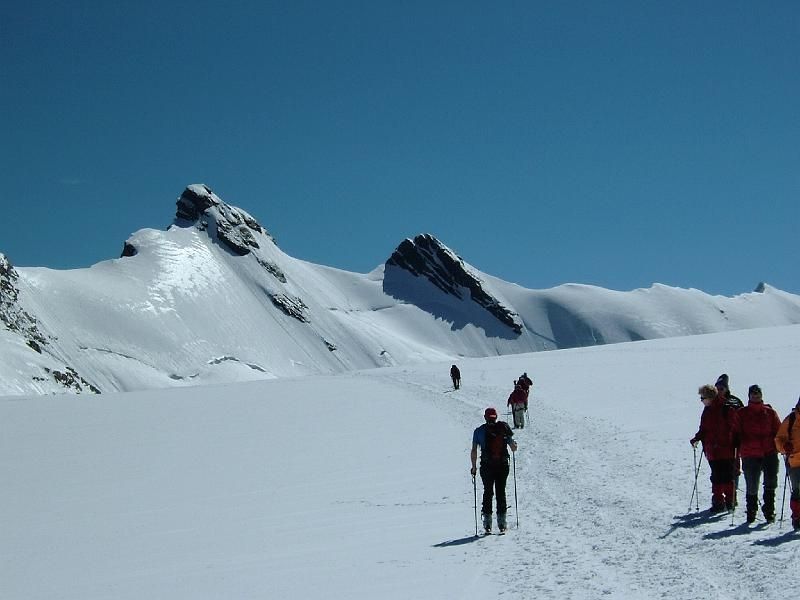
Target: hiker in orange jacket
787 441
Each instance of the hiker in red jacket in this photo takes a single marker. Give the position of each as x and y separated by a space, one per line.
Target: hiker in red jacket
518 402
719 425
758 426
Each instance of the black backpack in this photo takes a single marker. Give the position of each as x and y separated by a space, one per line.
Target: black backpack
496 436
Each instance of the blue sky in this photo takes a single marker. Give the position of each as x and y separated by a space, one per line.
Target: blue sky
609 143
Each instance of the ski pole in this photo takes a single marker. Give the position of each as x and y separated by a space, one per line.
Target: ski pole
737 465
516 503
475 493
694 489
785 480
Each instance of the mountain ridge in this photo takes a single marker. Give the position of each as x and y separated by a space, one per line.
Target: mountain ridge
214 299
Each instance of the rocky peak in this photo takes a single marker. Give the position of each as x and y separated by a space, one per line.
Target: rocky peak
198 205
428 258
11 314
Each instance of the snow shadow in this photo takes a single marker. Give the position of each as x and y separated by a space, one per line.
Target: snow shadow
743 529
458 542
691 520
457 312
789 536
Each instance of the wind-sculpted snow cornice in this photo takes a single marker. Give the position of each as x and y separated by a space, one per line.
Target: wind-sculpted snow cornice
425 256
235 228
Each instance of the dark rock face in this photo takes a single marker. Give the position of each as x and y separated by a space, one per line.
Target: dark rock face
71 380
128 250
426 257
11 314
233 227
193 202
21 322
291 305
272 269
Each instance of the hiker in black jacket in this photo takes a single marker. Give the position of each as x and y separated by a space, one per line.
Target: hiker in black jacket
493 437
455 375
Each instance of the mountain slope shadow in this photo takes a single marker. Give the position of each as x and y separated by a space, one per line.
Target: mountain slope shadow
427 274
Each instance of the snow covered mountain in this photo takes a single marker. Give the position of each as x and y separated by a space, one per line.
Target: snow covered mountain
214 299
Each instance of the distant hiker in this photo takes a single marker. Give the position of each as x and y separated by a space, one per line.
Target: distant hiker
518 402
758 426
525 383
734 402
788 443
724 391
455 375
493 437
718 427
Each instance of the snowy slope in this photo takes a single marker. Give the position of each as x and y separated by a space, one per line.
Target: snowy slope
357 485
213 299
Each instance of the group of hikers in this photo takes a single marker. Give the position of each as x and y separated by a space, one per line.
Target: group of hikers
747 439
736 439
494 438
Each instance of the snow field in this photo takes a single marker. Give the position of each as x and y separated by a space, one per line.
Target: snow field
357 486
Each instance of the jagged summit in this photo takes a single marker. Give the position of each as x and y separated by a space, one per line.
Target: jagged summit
199 206
428 258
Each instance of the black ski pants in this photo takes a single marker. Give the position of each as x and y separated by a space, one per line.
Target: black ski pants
754 467
494 475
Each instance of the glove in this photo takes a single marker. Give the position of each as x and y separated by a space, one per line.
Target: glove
472 471
693 442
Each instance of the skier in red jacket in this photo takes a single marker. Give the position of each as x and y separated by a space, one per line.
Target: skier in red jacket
758 426
719 425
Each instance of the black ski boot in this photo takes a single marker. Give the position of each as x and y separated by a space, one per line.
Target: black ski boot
768 507
487 523
501 522
752 508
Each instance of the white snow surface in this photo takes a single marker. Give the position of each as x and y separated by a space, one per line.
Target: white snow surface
357 485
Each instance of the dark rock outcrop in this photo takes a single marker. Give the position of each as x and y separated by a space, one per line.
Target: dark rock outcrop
272 269
233 227
128 250
70 379
292 306
11 314
426 257
26 325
